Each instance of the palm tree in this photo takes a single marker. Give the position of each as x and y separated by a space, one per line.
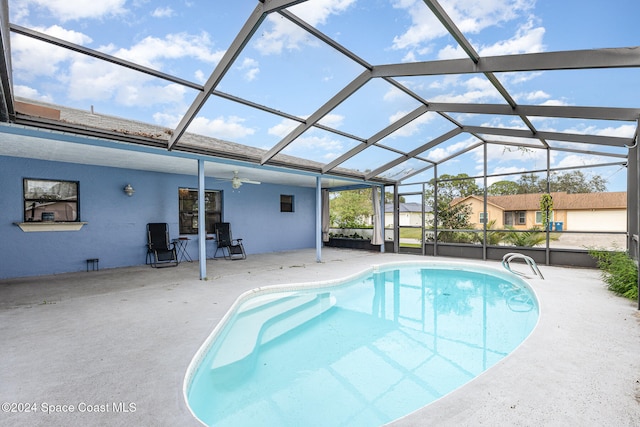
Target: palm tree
494 237
529 238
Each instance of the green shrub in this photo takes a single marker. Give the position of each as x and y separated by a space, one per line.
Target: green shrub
618 271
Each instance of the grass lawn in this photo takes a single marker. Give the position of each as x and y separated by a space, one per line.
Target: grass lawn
411 233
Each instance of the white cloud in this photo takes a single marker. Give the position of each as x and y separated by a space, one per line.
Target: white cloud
283 128
250 67
554 102
503 170
93 80
86 78
474 89
163 12
535 96
32 58
440 153
30 93
166 119
471 16
623 131
285 35
66 10
312 146
229 128
412 128
318 11
332 120
150 51
573 160
200 76
424 28
392 94
527 40
452 52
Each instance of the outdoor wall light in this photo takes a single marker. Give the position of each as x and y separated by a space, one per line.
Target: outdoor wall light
128 189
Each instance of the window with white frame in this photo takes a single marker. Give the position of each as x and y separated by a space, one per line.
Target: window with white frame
539 217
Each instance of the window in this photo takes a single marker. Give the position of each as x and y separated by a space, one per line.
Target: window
286 203
50 200
483 217
508 218
522 217
539 217
188 210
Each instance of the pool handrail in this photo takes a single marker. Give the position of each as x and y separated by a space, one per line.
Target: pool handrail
506 263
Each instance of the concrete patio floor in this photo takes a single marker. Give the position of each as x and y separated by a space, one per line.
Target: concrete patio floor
126 336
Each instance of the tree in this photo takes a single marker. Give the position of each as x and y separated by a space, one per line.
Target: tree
388 198
350 208
503 188
454 217
531 183
457 216
576 182
452 186
569 182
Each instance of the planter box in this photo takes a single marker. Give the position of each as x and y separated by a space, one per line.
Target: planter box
343 242
363 244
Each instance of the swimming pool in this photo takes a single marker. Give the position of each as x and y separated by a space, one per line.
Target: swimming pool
362 351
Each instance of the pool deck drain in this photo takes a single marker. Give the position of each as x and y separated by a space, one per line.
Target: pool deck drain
114 344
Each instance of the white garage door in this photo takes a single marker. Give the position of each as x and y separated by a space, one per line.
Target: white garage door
612 220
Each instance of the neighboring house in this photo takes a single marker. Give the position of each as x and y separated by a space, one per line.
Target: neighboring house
574 212
410 215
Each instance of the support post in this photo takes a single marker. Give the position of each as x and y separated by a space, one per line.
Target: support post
547 250
202 231
318 219
632 202
435 210
633 206
396 219
382 216
485 206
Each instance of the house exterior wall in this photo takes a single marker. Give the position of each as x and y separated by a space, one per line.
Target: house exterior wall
614 220
494 212
407 219
116 223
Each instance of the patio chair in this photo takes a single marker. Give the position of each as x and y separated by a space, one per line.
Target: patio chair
231 248
160 250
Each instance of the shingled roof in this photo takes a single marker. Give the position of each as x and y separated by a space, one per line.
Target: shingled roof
561 200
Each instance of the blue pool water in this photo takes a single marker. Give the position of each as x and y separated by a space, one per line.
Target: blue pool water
362 353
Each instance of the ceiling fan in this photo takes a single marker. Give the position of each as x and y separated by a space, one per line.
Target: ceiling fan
236 181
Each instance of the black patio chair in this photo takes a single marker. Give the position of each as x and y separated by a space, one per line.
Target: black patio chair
160 250
231 248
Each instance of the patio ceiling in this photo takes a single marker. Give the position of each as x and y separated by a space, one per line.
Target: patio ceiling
369 149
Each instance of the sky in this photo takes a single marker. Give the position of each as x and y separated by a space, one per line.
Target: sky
288 70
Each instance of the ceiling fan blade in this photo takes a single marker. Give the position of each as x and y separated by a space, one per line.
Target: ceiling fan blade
249 181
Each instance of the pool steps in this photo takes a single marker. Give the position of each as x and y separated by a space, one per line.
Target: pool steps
266 319
506 263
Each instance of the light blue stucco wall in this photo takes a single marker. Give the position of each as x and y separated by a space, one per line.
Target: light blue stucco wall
116 229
